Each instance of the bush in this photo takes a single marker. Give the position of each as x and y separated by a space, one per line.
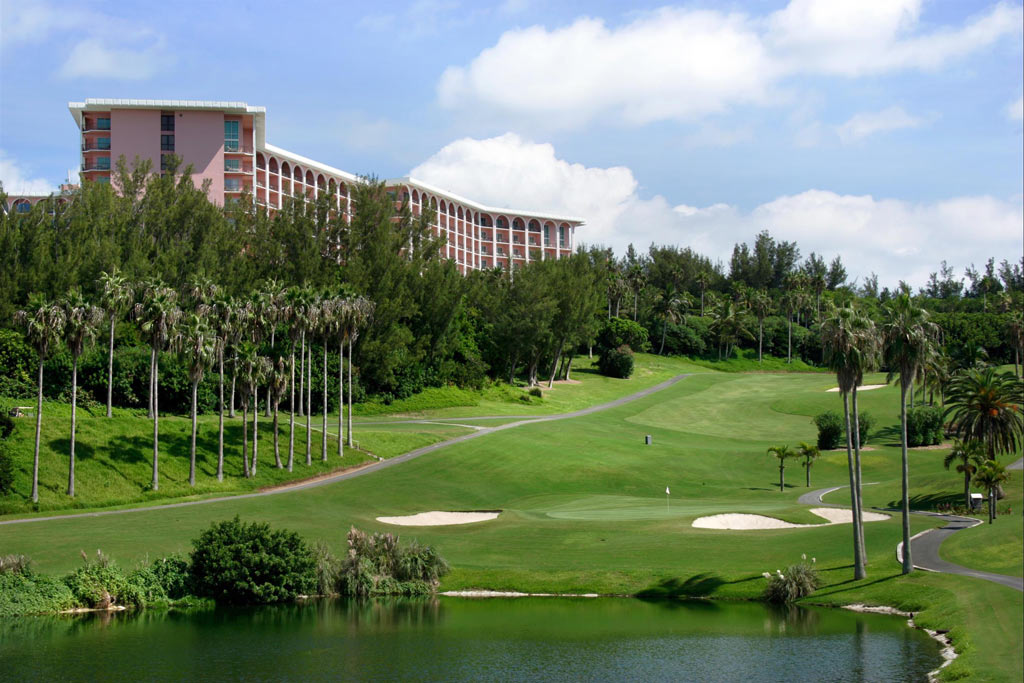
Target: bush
830 430
797 581
924 426
616 362
172 574
617 332
100 584
17 365
536 392
376 564
15 564
6 468
23 592
238 563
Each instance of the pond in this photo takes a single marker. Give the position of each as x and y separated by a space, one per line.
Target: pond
463 639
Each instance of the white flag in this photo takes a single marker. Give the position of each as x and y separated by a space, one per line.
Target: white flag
667 492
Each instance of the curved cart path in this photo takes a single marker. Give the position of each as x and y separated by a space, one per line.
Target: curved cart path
373 467
925 545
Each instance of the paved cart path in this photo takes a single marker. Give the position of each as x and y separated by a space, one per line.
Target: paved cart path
373 467
924 546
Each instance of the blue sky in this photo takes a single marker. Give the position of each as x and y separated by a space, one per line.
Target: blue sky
889 131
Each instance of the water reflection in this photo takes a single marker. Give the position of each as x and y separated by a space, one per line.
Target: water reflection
466 639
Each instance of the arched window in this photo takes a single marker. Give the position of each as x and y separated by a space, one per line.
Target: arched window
415 197
502 223
273 165
320 181
22 206
517 223
298 174
534 225
286 170
309 178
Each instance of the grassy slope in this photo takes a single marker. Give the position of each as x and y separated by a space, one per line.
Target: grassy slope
585 509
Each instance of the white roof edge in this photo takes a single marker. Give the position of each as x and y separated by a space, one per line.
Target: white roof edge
306 161
408 180
169 104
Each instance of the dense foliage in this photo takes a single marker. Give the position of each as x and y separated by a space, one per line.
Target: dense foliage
378 564
830 430
924 426
796 581
616 362
235 562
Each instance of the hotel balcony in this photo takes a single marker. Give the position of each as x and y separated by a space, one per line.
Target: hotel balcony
93 165
243 168
94 146
237 148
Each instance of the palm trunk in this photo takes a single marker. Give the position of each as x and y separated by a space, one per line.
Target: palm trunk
277 447
908 564
156 421
782 477
349 392
568 368
967 487
807 471
220 415
74 424
858 562
309 407
291 413
302 373
789 342
636 295
245 438
664 329
991 505
858 510
255 425
341 396
760 336
234 378
152 360
554 366
110 370
39 428
192 449
269 397
323 435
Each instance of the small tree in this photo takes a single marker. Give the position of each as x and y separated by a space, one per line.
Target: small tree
989 477
967 455
809 453
198 345
118 295
830 430
781 453
81 320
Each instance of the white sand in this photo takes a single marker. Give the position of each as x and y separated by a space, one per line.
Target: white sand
745 522
863 387
436 518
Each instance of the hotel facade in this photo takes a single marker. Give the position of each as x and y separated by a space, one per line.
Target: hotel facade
225 143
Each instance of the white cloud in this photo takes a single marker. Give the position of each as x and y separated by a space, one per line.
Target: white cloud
868 123
29 21
1015 110
94 58
896 239
676 63
12 176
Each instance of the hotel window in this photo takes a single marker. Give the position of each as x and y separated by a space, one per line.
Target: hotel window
22 206
232 184
166 143
102 143
547 236
561 236
167 122
233 165
231 143
164 161
103 179
103 124
103 163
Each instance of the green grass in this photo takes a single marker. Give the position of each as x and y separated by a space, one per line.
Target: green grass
745 360
584 508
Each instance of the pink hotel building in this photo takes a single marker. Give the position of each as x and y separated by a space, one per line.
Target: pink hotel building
225 142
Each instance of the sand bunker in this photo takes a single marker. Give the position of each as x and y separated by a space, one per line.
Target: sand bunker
436 518
745 522
863 387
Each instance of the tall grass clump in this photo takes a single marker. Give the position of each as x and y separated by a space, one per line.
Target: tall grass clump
797 581
377 564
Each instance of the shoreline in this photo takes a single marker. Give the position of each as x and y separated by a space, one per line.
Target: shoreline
948 650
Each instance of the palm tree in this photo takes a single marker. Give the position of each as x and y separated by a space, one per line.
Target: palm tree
222 314
249 361
761 307
313 312
278 387
985 406
727 322
81 323
908 336
44 326
782 453
703 279
118 296
343 320
849 343
809 453
158 316
667 307
967 455
329 314
990 477
1015 332
293 313
361 311
197 344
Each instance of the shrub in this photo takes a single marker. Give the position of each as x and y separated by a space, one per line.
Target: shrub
536 392
376 564
24 592
617 332
6 468
924 426
100 584
830 430
15 564
616 362
328 569
172 573
247 563
797 581
866 422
